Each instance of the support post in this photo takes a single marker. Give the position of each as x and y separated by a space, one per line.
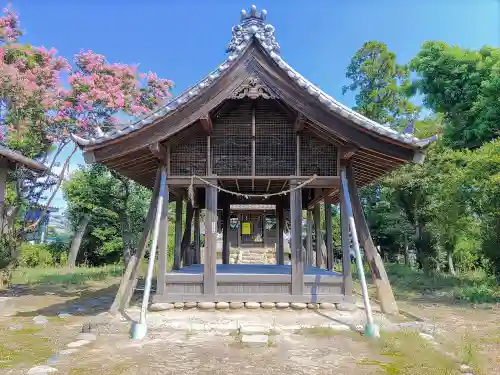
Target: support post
318 241
346 248
178 232
280 225
140 329
371 329
309 238
210 264
197 236
328 234
384 290
225 232
130 277
296 240
240 219
163 242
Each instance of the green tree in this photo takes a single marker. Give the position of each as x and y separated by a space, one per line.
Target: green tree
464 86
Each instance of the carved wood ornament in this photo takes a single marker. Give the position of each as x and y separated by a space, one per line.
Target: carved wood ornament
252 88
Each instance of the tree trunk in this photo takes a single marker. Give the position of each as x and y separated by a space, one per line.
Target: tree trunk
127 236
186 237
451 267
407 252
77 240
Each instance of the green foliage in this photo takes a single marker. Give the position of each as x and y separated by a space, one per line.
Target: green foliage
381 84
464 86
35 255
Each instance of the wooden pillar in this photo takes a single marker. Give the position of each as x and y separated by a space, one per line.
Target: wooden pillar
210 264
309 238
346 242
225 232
163 243
197 236
317 233
328 234
178 232
240 219
384 290
264 232
296 241
280 241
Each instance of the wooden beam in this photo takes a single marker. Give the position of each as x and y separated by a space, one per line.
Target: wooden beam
158 151
318 196
210 261
225 232
296 241
309 241
163 243
206 123
178 232
317 233
329 236
280 246
347 152
384 291
197 236
131 275
346 246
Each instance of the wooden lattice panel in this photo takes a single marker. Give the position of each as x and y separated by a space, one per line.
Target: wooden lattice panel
317 156
275 141
188 153
231 141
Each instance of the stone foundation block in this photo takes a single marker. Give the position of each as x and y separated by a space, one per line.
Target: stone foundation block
236 305
179 305
313 306
190 305
161 306
252 305
282 305
206 305
326 306
267 305
298 305
222 305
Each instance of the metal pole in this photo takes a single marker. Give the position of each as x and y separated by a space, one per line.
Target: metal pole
371 329
141 328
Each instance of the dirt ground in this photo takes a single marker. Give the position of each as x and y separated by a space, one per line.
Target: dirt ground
471 335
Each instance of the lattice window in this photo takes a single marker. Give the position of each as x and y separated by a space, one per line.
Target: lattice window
188 154
317 156
275 141
231 141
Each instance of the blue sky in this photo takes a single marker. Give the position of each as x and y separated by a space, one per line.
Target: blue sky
184 40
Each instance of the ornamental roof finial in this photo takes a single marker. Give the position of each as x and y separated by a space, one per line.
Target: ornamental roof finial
252 26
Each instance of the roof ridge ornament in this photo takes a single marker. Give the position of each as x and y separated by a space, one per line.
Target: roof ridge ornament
253 88
252 26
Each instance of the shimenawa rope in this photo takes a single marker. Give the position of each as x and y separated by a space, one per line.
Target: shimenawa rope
246 196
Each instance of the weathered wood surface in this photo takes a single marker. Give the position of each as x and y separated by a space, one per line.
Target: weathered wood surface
178 232
379 275
130 277
309 238
197 236
346 255
296 240
210 263
225 233
329 236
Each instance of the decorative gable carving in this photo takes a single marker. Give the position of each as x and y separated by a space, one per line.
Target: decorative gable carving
252 88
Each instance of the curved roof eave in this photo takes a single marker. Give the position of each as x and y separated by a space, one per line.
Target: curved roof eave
243 36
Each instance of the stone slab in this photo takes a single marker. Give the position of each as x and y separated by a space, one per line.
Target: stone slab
39 370
254 329
255 340
78 343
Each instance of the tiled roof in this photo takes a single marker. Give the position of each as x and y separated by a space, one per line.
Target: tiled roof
252 27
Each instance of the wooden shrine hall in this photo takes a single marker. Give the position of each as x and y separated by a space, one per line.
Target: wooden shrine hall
254 131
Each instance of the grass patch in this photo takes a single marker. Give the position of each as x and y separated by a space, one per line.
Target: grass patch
64 275
475 286
406 353
23 347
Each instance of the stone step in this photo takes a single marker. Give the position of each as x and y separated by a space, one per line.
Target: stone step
255 340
